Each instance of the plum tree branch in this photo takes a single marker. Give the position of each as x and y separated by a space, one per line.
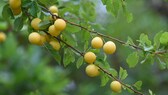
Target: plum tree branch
76 50
82 54
103 70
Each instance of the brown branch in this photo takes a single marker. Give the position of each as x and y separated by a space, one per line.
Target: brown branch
76 50
160 52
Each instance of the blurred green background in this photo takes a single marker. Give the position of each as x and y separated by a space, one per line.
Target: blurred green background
26 69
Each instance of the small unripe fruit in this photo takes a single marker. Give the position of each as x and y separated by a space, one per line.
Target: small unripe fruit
53 9
53 31
34 38
92 70
109 47
15 4
55 44
2 37
89 57
97 42
35 22
115 86
60 24
16 11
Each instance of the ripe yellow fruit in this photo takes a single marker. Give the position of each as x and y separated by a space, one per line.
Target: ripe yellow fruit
115 86
89 57
53 31
53 9
97 42
55 44
15 4
92 70
60 24
2 37
17 11
35 22
109 47
34 38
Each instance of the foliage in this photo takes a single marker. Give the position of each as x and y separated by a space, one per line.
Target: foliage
82 25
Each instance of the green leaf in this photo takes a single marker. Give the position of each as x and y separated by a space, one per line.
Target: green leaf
112 6
86 45
129 42
85 35
95 50
69 57
79 62
34 9
26 3
87 10
6 12
69 38
18 24
132 59
104 79
157 39
164 38
138 85
122 74
72 29
55 54
44 25
144 40
103 63
128 15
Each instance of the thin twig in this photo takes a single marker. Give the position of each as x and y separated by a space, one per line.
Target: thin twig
79 52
